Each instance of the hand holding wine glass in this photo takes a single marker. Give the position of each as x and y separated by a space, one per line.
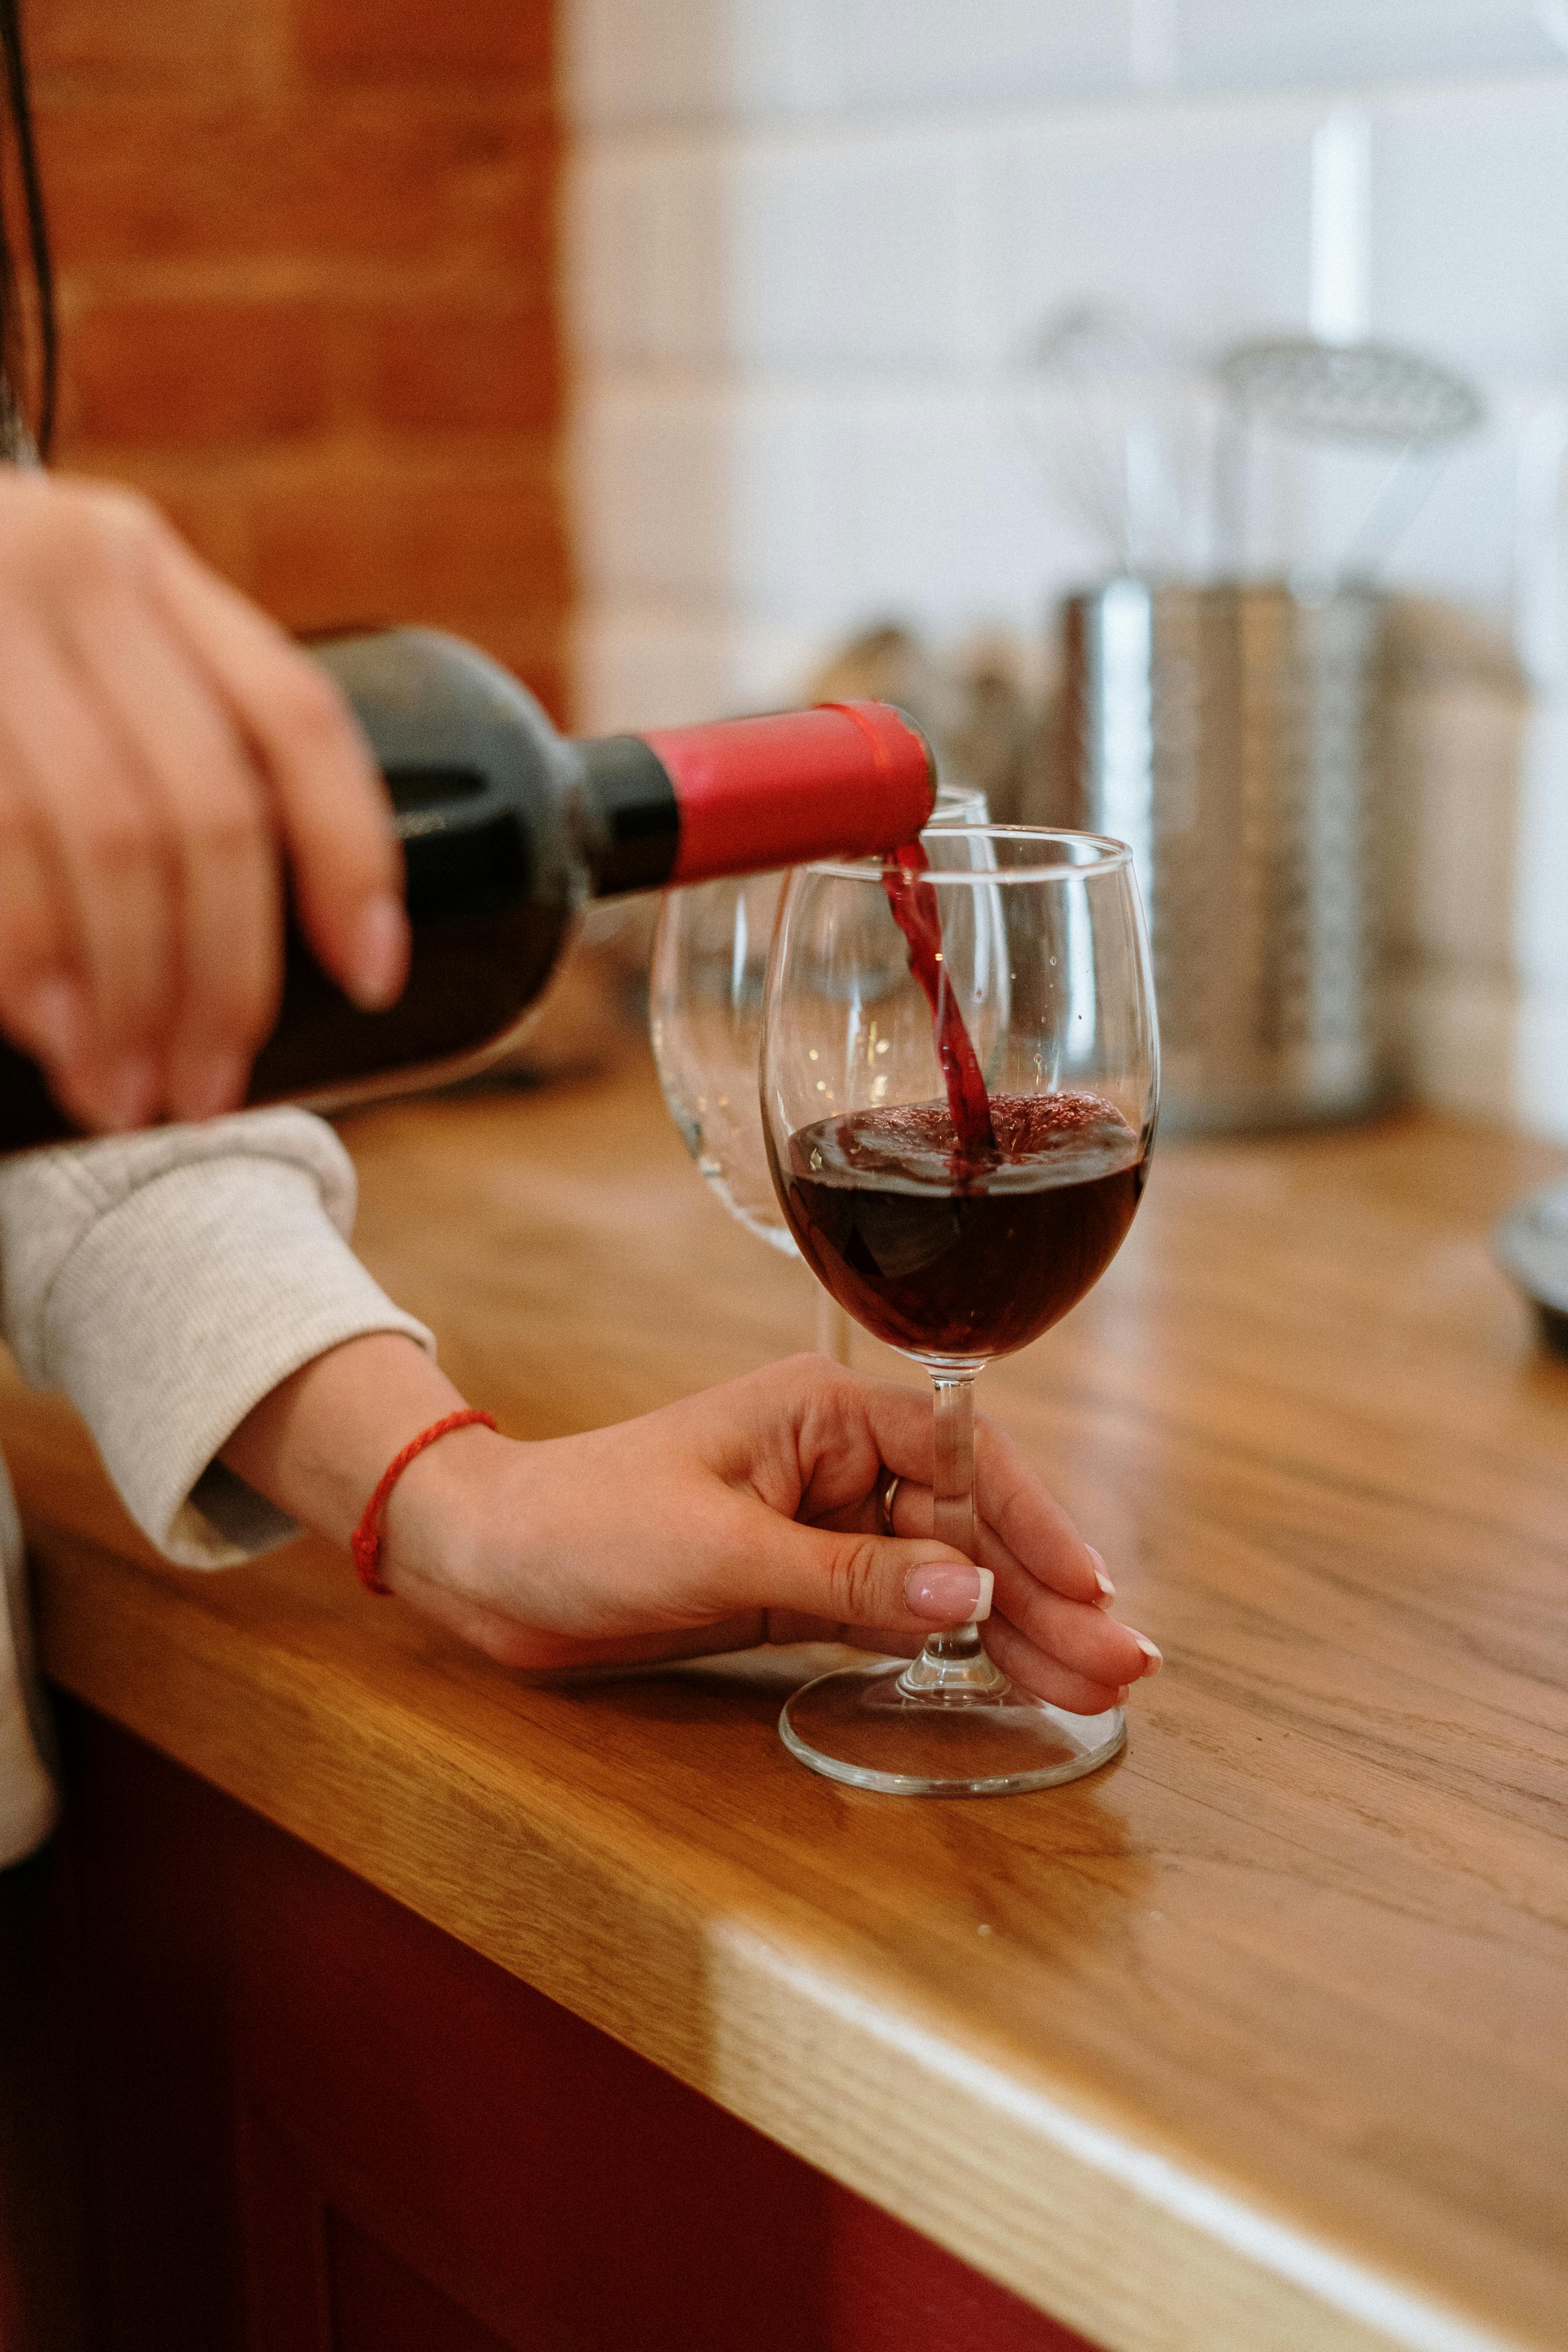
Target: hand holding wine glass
746 1514
754 1512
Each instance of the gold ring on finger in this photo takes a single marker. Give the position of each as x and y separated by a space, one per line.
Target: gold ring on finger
885 1502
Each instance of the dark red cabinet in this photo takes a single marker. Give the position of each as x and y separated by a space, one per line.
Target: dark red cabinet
313 2123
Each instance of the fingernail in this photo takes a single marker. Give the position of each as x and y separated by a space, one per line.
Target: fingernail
129 1091
380 958
1154 1657
211 1086
51 1019
1107 1590
949 1595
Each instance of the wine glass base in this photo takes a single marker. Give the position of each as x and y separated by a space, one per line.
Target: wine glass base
858 1726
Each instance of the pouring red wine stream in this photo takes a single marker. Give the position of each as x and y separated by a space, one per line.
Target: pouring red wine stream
915 911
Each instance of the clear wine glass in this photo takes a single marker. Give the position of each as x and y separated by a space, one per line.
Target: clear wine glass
954 1252
705 1004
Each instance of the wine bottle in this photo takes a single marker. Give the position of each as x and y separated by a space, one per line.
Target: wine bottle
507 828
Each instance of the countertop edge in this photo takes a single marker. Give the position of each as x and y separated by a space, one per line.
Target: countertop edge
1112 2237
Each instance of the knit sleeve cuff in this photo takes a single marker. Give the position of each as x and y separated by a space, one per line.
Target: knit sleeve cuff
218 1280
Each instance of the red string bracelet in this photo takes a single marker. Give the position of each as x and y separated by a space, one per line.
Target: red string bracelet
365 1541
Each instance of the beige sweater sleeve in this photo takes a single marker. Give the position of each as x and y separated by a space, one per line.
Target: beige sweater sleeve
166 1282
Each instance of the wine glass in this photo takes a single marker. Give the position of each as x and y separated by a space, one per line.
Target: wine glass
705 1006
956 1247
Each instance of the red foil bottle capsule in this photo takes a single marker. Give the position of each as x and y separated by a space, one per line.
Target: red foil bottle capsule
845 780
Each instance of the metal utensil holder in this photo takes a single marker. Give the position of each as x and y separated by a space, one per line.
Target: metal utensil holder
1230 734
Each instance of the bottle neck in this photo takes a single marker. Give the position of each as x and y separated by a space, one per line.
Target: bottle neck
750 795
631 814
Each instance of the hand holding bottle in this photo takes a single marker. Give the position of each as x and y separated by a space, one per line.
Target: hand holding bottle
178 744
165 753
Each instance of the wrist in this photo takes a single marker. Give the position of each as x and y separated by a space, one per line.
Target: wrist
318 1442
433 1523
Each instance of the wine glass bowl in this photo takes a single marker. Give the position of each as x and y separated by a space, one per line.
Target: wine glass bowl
958 1226
709 966
707 975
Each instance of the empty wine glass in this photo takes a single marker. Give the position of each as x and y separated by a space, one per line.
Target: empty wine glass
705 990
958 1225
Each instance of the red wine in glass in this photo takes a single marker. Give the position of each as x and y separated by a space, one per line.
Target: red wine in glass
936 1254
968 1232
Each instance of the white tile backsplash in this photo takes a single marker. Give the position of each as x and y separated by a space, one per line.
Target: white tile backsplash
896 53
1541 870
655 477
631 62
1464 540
1251 42
627 62
816 506
852 253
665 665
1469 221
908 520
806 249
1197 214
647 243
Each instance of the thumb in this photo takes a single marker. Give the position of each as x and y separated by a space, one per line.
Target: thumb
883 1582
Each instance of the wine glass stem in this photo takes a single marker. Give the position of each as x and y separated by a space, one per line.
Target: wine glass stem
953 1669
953 1489
833 1328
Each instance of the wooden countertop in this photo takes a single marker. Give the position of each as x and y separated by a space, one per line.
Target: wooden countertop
1254 2039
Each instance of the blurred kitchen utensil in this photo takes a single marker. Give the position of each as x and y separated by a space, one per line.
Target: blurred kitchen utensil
1115 411
1228 734
1351 392
1367 395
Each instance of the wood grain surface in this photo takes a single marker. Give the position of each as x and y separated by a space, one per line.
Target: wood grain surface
1254 2039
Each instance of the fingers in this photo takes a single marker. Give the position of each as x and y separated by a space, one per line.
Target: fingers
1081 1640
1029 1521
1070 1637
328 797
850 1579
41 1005
1047 1676
156 825
846 1429
87 900
1050 1588
227 899
897 1425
